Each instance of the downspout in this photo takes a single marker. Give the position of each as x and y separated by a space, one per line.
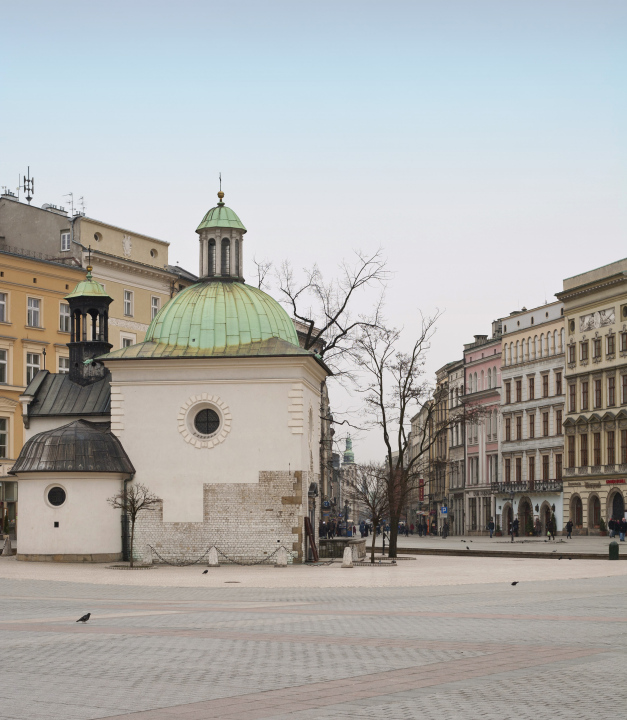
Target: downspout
72 221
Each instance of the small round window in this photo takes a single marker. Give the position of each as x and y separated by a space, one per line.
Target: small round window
56 496
153 253
97 237
207 421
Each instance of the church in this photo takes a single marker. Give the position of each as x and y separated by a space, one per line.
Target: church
217 412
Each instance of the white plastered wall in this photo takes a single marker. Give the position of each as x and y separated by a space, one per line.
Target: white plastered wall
265 400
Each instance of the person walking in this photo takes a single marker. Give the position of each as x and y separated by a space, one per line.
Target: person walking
445 529
569 530
491 528
622 529
612 526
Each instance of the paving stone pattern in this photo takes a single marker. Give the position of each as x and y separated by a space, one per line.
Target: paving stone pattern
157 653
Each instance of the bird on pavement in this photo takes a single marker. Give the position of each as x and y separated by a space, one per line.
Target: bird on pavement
467 548
85 618
204 572
515 583
560 557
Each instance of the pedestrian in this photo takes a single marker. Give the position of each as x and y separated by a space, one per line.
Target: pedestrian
491 527
569 530
538 527
445 529
612 526
516 526
411 528
622 528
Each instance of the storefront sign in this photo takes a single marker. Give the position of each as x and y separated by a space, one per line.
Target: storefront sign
615 482
592 484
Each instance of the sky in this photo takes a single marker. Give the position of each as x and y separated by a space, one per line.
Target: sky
481 144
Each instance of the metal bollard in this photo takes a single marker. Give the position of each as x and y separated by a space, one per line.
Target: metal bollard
614 550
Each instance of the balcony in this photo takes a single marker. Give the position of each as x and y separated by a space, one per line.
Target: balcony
527 486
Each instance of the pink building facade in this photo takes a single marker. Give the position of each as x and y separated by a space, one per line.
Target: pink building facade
482 387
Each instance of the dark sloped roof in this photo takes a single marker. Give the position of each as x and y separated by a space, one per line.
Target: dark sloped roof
80 446
58 395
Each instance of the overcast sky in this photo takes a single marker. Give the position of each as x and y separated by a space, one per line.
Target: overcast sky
481 144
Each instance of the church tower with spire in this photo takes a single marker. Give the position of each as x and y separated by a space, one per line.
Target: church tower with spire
221 244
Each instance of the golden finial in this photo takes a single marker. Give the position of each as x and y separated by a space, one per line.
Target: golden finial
220 193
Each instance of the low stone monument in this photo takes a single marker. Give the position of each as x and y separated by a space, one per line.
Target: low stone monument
281 557
347 560
213 558
6 550
147 558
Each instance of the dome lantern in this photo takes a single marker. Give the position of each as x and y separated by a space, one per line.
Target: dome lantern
221 244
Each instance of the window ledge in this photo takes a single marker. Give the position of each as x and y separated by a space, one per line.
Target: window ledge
5 322
34 327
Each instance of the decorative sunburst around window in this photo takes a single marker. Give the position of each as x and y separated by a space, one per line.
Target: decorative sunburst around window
204 421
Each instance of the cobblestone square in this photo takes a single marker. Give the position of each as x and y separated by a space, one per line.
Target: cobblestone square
447 637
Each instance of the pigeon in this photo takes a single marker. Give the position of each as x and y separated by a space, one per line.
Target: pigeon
467 548
560 557
85 618
515 583
204 572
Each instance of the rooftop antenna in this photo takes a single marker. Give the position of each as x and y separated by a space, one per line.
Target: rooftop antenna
71 196
81 200
29 186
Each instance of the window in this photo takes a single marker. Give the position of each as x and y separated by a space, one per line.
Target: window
611 344
572 400
508 429
611 453
624 388
126 342
128 303
226 257
508 470
56 496
532 388
64 317
65 241
4 316
64 365
597 393
611 391
518 390
545 386
558 464
4 438
571 354
33 363
33 314
583 444
623 342
532 469
3 366
558 383
596 349
518 469
545 467
545 424
519 427
558 422
508 393
571 451
212 257
207 421
155 304
583 353
596 440
584 395
623 447
531 420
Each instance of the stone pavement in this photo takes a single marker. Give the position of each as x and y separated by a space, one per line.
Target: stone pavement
439 637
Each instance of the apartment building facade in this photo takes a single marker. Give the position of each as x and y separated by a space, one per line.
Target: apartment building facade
532 417
595 473
482 382
456 449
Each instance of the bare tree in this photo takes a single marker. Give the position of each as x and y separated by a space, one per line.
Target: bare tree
263 267
132 500
326 307
368 487
395 388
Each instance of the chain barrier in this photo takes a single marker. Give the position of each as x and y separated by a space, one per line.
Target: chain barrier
184 563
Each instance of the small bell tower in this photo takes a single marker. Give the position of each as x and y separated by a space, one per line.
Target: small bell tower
89 312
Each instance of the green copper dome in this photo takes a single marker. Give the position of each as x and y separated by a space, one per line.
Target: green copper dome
215 316
221 217
88 287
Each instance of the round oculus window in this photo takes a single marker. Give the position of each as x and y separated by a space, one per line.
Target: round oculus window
56 496
207 421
